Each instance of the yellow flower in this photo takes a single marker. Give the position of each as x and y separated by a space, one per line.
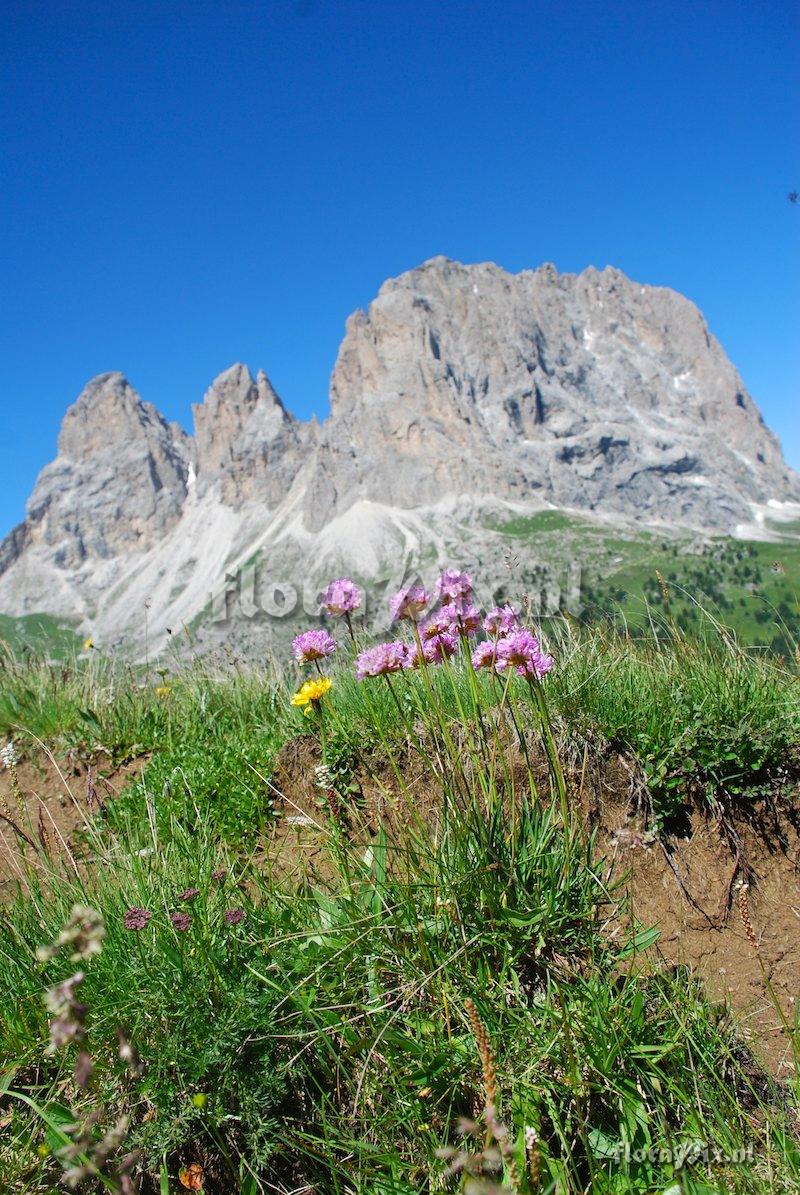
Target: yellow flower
163 691
88 644
312 690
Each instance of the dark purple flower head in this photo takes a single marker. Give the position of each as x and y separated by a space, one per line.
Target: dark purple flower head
502 620
382 659
233 916
454 586
189 894
181 921
219 876
465 618
313 645
484 655
136 918
433 650
521 650
341 597
409 602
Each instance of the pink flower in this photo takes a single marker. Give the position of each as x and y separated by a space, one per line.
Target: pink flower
381 660
455 586
484 655
409 602
465 618
433 650
233 916
181 921
313 645
521 650
341 597
219 876
435 625
189 894
136 918
502 620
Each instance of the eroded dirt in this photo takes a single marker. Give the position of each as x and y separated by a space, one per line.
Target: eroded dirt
48 812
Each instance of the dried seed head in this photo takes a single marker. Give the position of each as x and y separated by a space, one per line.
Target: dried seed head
745 915
488 1065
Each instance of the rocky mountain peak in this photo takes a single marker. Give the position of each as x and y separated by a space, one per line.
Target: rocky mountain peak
118 481
108 408
585 390
244 437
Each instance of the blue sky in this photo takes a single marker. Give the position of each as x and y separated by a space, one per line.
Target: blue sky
191 184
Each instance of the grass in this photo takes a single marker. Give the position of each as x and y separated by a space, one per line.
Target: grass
751 587
39 634
328 1039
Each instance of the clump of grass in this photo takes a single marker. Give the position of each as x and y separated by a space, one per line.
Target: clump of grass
702 717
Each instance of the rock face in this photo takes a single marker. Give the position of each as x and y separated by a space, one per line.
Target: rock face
580 390
459 384
119 481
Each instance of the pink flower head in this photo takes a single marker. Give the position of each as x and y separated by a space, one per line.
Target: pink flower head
189 894
313 645
465 618
409 602
219 876
341 597
181 921
233 916
433 650
381 660
521 650
454 586
484 655
502 620
136 918
435 625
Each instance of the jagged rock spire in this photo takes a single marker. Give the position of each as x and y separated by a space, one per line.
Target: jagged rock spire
247 444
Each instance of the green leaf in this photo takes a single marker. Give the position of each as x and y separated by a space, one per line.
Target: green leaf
642 941
602 1145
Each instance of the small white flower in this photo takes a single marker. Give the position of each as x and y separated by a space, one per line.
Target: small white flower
9 755
324 776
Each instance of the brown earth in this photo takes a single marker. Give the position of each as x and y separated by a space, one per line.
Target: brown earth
47 811
686 884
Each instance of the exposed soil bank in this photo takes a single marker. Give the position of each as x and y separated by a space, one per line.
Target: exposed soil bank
46 804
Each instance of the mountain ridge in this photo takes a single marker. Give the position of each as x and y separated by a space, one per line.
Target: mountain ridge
459 390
